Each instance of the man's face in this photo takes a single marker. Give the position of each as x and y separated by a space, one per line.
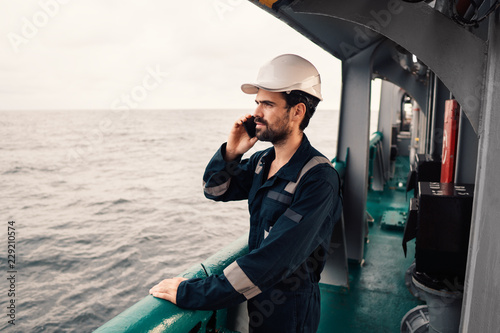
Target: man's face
272 117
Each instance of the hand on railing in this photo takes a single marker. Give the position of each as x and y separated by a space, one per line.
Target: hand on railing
167 289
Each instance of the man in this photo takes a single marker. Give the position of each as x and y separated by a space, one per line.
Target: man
294 201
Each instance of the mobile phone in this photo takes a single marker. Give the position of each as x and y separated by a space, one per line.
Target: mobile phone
250 126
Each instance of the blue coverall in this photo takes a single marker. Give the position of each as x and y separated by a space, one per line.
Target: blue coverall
291 221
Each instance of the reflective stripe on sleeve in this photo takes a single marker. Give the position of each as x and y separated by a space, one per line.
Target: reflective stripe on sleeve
295 217
217 190
240 281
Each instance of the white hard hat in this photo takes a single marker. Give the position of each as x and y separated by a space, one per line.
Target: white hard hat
285 73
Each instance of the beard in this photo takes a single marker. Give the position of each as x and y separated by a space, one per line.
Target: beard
276 134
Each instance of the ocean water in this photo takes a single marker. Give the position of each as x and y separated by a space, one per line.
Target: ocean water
108 203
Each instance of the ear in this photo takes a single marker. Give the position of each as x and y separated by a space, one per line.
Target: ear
299 111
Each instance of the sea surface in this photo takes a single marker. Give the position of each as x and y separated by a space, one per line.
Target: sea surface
106 204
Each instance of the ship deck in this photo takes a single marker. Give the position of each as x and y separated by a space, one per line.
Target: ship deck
377 298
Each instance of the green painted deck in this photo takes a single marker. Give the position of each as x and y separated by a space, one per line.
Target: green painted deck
377 298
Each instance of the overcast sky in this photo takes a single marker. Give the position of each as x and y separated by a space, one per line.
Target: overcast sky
70 54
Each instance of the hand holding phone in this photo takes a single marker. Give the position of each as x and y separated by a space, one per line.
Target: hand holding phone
237 142
250 126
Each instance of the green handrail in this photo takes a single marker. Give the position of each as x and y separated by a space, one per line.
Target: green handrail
375 138
156 315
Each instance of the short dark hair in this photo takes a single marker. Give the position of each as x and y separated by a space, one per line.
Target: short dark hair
295 97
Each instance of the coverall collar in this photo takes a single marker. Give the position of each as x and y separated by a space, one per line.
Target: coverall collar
290 171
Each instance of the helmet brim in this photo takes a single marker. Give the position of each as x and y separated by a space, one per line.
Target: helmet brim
253 88
250 88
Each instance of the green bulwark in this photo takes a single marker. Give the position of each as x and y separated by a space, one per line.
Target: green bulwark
156 315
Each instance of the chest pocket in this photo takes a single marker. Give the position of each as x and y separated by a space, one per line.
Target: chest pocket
273 206
276 203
